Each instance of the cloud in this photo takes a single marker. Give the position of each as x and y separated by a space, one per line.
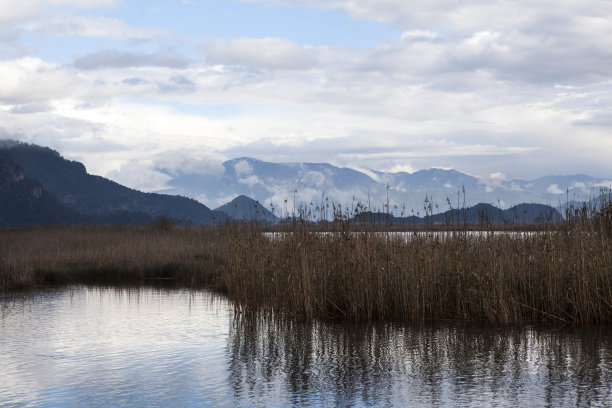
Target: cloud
126 59
243 168
34 107
268 52
460 17
140 175
11 10
546 42
16 10
27 80
102 27
134 81
189 161
554 189
178 84
84 3
493 181
419 35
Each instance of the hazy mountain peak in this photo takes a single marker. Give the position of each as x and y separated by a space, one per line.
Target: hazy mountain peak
283 183
243 208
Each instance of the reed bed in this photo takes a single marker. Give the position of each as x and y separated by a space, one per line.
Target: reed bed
561 273
160 254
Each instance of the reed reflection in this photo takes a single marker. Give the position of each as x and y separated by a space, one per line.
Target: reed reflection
339 364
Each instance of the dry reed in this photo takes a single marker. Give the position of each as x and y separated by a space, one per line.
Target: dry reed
561 274
157 254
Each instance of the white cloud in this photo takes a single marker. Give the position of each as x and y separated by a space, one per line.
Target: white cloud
140 175
419 35
126 59
30 79
84 3
16 10
79 26
268 52
190 161
34 107
250 180
554 189
243 168
400 168
493 181
537 42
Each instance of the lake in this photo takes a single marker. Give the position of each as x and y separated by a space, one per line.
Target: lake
87 346
407 236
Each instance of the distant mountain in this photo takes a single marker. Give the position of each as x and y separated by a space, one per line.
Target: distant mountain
283 186
282 190
95 197
479 214
289 186
243 208
597 202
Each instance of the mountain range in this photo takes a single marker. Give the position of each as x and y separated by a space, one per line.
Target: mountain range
285 187
40 187
483 214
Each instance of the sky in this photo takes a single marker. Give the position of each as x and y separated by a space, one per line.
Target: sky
495 88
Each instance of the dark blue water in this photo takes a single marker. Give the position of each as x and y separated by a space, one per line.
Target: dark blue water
147 347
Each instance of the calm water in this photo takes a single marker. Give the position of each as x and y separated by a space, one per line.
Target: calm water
147 347
407 236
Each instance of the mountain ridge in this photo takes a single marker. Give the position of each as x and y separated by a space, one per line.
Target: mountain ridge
96 197
250 188
278 183
479 214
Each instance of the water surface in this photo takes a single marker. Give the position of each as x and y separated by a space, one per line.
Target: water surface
149 347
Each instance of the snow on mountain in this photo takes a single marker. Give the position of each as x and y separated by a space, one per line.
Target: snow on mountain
285 187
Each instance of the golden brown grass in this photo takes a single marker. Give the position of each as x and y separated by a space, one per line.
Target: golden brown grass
110 255
561 274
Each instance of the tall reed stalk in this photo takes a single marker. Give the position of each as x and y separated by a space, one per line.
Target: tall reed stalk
561 274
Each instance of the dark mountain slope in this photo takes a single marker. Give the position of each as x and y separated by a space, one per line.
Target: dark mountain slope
23 201
73 187
479 214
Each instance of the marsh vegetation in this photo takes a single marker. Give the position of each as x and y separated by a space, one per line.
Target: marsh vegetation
561 272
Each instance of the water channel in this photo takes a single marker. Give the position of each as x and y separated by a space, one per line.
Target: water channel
87 346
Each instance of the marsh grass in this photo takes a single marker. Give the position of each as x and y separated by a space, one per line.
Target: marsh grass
183 256
560 273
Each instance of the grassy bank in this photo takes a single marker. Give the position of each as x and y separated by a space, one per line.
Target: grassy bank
154 255
561 274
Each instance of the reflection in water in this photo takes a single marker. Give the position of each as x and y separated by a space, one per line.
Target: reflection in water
439 364
108 347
